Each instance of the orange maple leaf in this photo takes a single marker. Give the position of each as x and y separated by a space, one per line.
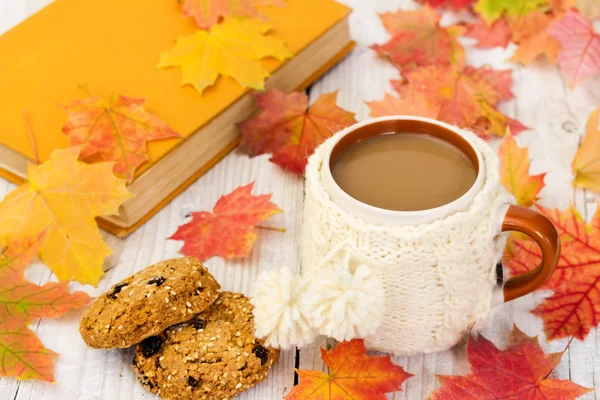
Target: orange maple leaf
21 302
514 172
495 35
419 40
466 97
413 103
586 163
228 231
519 372
352 375
579 57
574 308
562 6
209 12
15 258
61 199
288 130
530 32
117 131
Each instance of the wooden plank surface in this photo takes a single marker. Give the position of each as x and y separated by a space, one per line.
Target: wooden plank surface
556 115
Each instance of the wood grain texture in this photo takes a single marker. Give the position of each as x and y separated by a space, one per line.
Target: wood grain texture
556 115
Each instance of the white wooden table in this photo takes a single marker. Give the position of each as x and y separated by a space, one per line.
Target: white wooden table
543 102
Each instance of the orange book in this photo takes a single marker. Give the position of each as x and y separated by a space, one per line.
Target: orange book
112 47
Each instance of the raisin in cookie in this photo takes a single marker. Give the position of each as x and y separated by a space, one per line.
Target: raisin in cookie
214 356
148 302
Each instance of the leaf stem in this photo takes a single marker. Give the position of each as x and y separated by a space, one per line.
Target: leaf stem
84 89
270 228
31 138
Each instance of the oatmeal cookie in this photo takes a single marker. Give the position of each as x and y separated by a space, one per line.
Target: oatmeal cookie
148 302
214 356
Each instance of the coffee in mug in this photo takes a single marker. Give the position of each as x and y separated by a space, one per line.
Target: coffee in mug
404 171
405 281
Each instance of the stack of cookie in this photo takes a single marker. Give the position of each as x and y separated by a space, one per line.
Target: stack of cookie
191 340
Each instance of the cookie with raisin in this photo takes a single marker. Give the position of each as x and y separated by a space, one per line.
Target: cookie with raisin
214 356
146 303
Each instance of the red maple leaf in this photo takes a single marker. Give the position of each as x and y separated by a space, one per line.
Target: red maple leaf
117 131
290 131
466 98
352 375
574 308
519 372
228 231
419 40
495 35
579 57
452 4
206 13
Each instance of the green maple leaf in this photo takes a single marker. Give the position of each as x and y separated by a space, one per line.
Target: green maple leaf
491 10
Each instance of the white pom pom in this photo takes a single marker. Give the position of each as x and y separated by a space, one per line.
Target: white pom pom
343 305
278 316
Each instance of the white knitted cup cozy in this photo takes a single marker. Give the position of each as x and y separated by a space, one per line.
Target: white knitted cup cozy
437 278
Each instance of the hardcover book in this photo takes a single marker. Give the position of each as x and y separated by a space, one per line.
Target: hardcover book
113 47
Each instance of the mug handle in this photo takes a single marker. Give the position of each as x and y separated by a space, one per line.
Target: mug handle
540 229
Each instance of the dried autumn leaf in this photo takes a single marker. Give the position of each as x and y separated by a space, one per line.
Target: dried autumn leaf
452 4
228 231
531 34
353 375
412 103
117 131
24 301
21 302
24 356
579 57
61 198
514 172
519 372
573 309
288 130
418 40
467 97
586 163
491 10
561 6
495 35
16 255
208 12
588 8
233 48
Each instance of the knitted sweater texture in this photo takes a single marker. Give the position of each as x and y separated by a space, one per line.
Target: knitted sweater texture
438 278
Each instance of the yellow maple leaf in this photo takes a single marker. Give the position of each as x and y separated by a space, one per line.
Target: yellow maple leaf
586 164
233 48
61 198
514 172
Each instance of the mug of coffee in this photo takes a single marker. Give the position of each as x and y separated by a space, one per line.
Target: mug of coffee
403 228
